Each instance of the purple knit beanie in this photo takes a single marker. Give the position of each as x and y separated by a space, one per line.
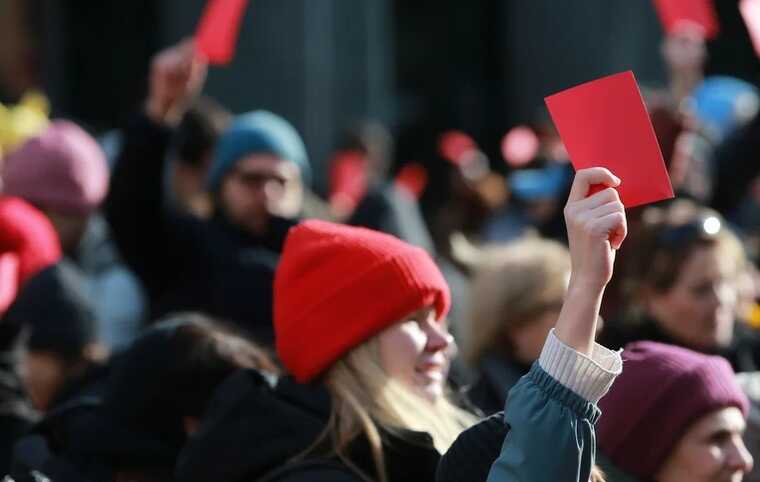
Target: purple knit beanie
663 389
62 169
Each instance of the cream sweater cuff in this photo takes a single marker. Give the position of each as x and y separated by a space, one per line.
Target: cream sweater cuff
589 377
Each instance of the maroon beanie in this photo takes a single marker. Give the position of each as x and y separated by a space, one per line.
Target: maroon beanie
62 169
337 286
663 390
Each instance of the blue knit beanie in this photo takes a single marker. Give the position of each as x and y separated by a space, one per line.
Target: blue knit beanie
254 133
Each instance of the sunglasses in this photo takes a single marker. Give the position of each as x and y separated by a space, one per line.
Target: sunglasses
259 179
705 227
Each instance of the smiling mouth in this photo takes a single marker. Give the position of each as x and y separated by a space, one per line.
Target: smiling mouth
431 371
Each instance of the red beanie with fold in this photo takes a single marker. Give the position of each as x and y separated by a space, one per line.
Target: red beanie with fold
337 286
28 244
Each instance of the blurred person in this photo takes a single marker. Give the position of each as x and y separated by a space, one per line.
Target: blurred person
682 279
63 358
154 397
63 172
476 193
28 244
673 415
223 266
685 54
192 152
362 192
535 205
738 175
515 299
369 356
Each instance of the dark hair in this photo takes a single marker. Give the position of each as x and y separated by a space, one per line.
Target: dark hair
375 141
199 130
168 374
667 239
205 353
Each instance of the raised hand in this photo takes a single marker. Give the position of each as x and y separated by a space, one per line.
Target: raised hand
596 227
177 75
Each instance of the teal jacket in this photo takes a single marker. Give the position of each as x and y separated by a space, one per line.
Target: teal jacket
551 414
551 436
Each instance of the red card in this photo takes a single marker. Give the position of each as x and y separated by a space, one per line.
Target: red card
413 178
750 10
604 123
348 179
218 30
677 15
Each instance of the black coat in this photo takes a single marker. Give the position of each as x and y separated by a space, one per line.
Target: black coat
254 427
184 262
497 374
17 415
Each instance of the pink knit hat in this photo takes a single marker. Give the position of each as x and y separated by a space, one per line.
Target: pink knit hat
62 169
663 390
337 286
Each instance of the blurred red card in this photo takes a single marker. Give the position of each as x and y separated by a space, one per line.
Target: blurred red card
677 15
604 123
218 30
750 10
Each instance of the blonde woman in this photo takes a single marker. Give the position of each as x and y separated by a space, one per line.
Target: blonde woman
360 324
515 299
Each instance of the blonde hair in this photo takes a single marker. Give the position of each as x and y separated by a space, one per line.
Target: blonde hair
513 285
365 400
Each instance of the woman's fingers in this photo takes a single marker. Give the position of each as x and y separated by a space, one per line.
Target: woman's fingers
601 198
605 209
585 178
612 225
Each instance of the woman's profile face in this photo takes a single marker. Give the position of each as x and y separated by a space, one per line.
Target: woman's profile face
416 352
711 450
698 310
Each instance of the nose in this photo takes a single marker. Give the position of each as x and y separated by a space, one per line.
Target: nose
739 458
438 338
273 190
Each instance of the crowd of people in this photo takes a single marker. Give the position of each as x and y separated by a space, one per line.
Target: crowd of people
183 305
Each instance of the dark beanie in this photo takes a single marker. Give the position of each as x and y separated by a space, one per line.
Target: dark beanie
662 391
55 308
258 132
473 453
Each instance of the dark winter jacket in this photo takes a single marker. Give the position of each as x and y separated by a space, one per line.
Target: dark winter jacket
736 168
496 375
187 263
16 412
255 426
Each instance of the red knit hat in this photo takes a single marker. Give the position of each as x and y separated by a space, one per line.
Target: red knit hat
337 286
28 244
663 390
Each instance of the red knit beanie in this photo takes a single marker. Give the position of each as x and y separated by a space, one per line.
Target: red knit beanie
28 244
337 286
663 390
